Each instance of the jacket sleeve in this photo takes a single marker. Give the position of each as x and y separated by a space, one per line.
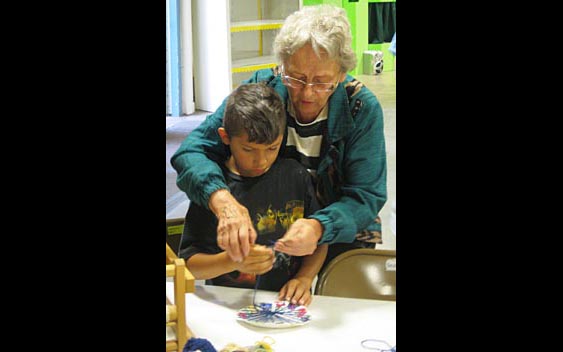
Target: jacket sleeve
364 187
196 160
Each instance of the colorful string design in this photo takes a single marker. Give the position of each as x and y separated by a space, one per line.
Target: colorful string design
275 314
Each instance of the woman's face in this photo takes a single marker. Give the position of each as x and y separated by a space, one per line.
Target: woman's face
304 65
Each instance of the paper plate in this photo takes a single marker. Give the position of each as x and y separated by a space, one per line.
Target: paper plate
277 314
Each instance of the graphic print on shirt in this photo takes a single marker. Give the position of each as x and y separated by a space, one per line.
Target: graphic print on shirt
265 220
271 220
275 222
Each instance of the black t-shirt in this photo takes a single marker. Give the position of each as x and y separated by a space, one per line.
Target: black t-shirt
274 200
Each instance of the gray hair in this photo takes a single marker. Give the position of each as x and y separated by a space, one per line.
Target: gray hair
325 27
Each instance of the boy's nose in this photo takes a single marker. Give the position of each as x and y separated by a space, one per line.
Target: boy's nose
261 160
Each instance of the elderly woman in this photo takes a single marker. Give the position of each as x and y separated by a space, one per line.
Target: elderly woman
334 129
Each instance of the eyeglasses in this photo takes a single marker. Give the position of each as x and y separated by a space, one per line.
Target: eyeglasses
299 84
378 345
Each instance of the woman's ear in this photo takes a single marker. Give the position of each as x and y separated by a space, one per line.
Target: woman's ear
224 136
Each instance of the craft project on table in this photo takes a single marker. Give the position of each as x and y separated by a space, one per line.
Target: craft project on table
277 314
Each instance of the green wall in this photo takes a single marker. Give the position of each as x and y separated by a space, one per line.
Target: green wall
317 2
358 17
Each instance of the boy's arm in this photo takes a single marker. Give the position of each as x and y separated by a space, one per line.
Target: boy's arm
207 266
204 266
312 264
298 289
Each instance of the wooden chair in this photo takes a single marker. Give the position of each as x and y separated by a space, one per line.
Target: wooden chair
360 273
184 282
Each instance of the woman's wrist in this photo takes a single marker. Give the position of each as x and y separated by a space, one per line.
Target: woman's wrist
317 227
219 200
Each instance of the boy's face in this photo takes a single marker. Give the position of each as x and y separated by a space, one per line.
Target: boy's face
250 159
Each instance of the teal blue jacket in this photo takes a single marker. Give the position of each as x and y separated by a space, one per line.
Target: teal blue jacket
352 174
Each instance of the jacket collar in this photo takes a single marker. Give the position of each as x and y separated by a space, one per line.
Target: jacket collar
340 121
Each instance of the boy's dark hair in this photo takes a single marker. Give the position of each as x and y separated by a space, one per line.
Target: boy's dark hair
257 110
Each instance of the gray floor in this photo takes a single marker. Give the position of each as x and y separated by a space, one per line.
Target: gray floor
176 130
383 86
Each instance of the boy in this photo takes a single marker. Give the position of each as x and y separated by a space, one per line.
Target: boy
276 193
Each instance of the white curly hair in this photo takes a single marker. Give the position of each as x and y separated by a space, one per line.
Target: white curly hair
325 27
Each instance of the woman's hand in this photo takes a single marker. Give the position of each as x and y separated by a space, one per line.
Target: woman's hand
301 238
297 291
259 260
235 232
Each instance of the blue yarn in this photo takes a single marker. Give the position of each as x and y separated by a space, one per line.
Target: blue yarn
194 344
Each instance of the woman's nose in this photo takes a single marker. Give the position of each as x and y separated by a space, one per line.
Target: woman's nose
308 90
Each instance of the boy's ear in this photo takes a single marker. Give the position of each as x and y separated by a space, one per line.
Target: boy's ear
224 136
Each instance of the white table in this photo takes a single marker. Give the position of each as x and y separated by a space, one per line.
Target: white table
337 324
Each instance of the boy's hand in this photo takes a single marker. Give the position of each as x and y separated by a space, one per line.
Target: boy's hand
260 260
297 291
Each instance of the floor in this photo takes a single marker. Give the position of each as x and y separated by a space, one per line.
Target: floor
383 86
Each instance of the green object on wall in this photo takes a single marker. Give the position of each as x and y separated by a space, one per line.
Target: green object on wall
312 2
318 2
358 15
381 20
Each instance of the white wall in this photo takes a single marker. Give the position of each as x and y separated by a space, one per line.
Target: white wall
188 104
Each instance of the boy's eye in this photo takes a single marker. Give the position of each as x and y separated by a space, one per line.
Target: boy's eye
247 149
273 148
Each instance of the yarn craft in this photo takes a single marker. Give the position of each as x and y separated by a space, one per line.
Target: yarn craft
277 314
260 346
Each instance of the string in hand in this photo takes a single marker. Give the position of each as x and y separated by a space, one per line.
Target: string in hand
256 289
278 261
